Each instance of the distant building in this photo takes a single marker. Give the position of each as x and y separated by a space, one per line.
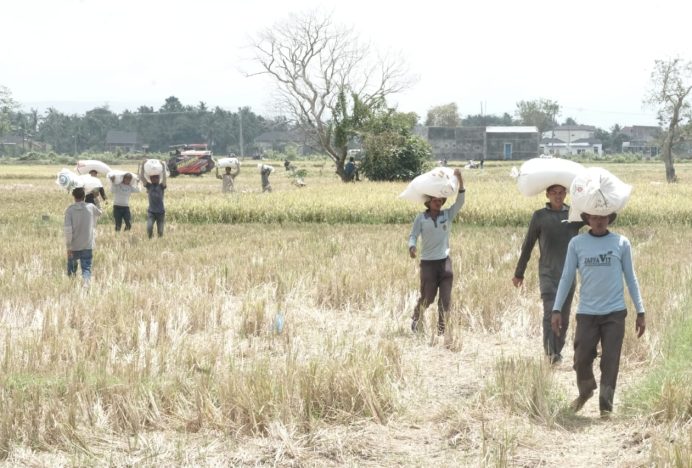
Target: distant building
643 139
571 140
126 142
277 140
17 144
481 143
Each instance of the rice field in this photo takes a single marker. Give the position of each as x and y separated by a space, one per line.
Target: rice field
273 329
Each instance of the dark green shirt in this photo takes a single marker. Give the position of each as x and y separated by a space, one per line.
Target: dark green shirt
553 233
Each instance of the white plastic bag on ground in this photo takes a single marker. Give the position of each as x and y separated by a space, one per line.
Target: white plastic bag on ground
84 166
537 174
597 191
233 163
440 183
117 176
67 180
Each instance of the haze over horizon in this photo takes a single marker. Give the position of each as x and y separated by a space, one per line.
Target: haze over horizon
594 58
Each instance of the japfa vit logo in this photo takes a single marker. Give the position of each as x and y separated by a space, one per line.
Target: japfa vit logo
599 260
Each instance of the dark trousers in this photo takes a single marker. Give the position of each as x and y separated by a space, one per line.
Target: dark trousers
160 219
610 331
553 344
84 257
435 275
122 213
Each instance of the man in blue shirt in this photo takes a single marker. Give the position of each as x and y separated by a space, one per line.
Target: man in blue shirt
603 258
433 227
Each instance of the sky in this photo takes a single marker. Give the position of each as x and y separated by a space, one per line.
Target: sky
593 57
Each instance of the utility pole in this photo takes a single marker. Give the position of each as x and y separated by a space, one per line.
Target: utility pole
240 137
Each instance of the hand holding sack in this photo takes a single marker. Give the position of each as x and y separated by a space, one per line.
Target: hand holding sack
233 163
154 167
116 176
439 183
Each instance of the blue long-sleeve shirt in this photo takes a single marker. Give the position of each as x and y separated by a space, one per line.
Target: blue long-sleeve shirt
435 233
602 262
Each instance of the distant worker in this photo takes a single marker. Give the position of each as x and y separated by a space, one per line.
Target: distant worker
156 211
228 178
93 196
121 201
351 170
265 170
79 228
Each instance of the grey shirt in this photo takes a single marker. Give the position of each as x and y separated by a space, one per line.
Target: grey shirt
553 233
80 222
435 232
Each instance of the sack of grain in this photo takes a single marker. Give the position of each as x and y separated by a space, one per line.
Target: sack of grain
116 176
597 191
67 180
440 183
87 165
537 174
265 167
89 183
233 163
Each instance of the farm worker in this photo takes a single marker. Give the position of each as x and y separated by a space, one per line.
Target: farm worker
93 196
602 258
79 227
264 173
228 179
121 201
351 169
550 228
433 226
156 211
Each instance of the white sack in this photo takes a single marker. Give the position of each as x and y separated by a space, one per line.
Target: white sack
233 163
67 180
263 167
439 183
153 167
84 166
597 191
537 174
117 176
89 183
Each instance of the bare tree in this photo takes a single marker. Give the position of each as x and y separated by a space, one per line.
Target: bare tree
324 76
671 82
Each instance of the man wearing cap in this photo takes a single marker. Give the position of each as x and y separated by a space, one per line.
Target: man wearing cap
549 226
602 258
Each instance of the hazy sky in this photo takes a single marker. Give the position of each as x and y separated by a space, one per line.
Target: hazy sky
593 57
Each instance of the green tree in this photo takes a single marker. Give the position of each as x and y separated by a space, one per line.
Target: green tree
320 68
671 84
540 113
446 115
392 151
7 107
485 120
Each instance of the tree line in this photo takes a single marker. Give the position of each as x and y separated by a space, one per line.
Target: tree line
172 123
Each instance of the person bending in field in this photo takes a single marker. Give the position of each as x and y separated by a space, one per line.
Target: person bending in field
121 201
79 227
603 258
156 212
550 228
264 174
436 274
